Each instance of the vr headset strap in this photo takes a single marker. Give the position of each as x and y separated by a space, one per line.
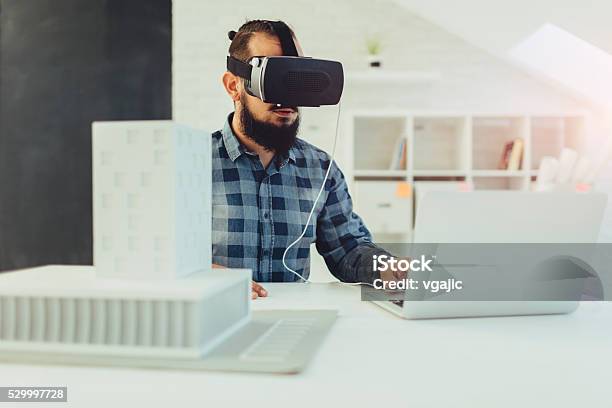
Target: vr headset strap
285 37
239 68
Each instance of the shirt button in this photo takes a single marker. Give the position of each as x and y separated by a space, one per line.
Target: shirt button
266 252
266 216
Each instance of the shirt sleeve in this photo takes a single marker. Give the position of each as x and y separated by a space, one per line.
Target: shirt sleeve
342 238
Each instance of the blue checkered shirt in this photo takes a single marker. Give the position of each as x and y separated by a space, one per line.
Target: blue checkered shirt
258 212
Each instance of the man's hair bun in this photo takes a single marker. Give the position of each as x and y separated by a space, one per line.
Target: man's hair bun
231 34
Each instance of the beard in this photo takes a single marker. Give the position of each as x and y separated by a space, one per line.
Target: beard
278 139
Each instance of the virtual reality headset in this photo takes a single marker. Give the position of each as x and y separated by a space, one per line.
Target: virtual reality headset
290 80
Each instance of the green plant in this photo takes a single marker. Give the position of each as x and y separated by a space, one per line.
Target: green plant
373 45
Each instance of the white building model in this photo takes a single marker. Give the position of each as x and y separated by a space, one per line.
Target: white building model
151 292
152 199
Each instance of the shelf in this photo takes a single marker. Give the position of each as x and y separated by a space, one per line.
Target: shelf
380 173
445 147
375 141
439 173
498 173
489 137
439 144
549 135
378 75
501 183
444 173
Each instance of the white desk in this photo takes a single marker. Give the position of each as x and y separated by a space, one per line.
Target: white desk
371 357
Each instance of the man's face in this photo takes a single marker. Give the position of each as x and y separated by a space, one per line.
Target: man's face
270 126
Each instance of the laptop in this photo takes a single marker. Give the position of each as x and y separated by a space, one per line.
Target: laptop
500 217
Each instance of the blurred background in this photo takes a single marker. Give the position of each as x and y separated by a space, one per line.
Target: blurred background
444 95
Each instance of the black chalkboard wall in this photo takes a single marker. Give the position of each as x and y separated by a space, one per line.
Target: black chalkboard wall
64 64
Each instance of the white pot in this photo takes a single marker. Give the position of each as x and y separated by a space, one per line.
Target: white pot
374 61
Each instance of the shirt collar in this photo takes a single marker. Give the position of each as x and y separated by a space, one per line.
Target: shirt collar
235 149
292 154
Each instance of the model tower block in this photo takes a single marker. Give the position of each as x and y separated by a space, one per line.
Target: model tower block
152 293
151 200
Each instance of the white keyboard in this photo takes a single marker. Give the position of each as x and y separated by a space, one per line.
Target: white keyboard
279 341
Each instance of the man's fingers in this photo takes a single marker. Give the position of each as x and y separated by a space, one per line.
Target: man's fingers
257 288
399 275
254 295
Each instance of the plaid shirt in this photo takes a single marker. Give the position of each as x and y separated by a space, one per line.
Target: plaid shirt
258 212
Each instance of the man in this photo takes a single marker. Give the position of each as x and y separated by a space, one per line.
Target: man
265 181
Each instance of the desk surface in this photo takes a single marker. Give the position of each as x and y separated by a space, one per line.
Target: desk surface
372 357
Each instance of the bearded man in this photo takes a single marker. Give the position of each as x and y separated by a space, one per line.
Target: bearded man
265 181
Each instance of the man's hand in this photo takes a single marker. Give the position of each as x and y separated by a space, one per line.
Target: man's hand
256 289
393 274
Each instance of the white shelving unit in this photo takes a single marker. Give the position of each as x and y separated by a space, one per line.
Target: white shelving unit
453 148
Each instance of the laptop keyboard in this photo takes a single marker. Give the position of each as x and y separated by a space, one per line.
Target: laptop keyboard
279 341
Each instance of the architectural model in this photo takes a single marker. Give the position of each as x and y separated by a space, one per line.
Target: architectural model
151 199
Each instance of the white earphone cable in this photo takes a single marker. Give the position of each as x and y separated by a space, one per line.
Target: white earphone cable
314 205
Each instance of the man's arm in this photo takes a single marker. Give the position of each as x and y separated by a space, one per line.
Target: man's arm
342 238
